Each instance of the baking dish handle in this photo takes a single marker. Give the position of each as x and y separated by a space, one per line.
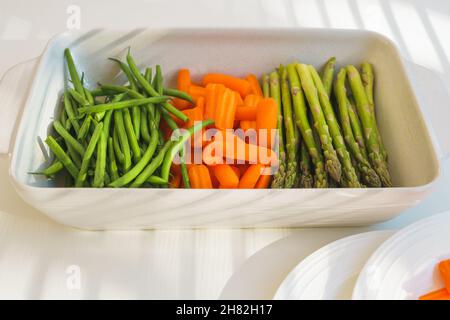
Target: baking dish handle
432 93
14 87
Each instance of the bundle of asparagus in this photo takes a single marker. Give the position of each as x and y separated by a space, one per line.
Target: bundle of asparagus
326 142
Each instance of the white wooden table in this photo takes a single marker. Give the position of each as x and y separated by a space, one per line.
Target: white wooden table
41 259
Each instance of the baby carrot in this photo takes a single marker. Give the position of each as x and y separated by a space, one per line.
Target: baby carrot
441 294
263 182
250 177
213 92
199 177
444 269
240 85
246 124
239 100
197 92
254 83
226 176
225 110
183 84
252 100
245 113
266 119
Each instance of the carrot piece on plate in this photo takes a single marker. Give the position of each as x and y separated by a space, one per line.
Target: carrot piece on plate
244 112
250 177
213 92
266 120
252 100
263 181
183 84
225 110
237 84
197 92
441 294
246 124
199 177
444 269
254 83
226 175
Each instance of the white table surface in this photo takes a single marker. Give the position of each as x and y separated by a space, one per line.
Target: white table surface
35 252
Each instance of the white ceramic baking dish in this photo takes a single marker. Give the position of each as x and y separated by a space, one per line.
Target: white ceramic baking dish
413 159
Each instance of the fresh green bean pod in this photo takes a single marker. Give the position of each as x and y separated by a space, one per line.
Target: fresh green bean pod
125 146
73 72
117 148
177 94
113 170
62 156
81 178
122 104
68 137
71 114
84 129
132 140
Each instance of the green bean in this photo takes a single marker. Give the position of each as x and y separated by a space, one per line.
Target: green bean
151 91
81 178
136 170
64 121
68 137
132 140
148 77
62 156
117 148
175 149
112 160
78 97
122 104
157 180
71 112
102 146
127 72
74 155
107 179
184 170
152 166
98 92
169 120
125 147
123 89
144 125
73 72
51 170
177 94
159 80
84 128
89 96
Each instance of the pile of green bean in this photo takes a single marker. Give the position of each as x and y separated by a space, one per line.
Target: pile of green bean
110 137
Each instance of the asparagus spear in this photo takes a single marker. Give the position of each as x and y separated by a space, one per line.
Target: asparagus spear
368 174
301 119
337 139
278 179
265 85
332 164
367 79
356 127
291 141
306 180
327 75
363 109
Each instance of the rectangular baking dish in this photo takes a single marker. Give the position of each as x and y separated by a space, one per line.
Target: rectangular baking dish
413 159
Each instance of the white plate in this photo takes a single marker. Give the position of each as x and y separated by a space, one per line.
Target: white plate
330 272
404 267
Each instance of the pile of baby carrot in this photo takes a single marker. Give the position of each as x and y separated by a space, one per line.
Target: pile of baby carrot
444 293
233 103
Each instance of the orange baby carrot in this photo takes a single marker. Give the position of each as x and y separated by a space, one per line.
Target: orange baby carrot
213 92
199 177
239 100
266 120
240 85
263 182
441 294
252 100
225 110
226 175
196 92
245 125
183 84
254 83
444 269
250 177
245 113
